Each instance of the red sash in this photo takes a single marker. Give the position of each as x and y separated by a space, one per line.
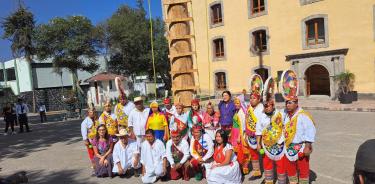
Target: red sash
176 154
219 156
181 126
199 148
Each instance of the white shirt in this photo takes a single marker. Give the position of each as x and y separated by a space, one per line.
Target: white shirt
85 126
263 122
127 108
183 147
207 144
19 109
42 108
152 155
138 119
305 130
124 155
170 111
258 111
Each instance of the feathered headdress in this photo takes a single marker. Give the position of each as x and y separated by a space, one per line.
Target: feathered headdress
256 85
289 85
120 89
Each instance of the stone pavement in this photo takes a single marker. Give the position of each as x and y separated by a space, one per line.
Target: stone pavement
54 153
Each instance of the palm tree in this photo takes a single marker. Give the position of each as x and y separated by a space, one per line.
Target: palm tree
19 28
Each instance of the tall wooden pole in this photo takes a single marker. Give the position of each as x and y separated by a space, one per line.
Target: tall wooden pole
178 22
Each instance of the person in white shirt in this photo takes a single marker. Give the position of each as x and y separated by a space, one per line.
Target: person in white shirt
168 109
138 119
179 121
177 153
21 112
254 112
88 132
299 134
201 150
154 163
42 112
126 155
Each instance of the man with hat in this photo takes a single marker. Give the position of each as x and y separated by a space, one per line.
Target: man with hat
177 153
138 119
201 150
109 120
254 112
168 109
179 121
126 155
123 109
299 131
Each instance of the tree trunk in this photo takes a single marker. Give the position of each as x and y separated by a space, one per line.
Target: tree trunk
182 76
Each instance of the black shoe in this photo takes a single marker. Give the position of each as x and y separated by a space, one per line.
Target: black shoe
136 173
20 132
28 131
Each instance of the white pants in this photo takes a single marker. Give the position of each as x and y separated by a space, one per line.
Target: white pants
152 174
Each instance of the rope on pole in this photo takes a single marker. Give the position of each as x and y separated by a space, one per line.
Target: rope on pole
152 46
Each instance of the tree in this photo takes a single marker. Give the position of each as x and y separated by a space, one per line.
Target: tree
129 38
19 29
70 42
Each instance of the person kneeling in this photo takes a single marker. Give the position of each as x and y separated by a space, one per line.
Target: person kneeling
177 154
126 156
154 163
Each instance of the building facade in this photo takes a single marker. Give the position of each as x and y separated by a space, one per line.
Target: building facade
317 38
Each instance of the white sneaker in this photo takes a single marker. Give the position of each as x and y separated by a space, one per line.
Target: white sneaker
5 134
14 133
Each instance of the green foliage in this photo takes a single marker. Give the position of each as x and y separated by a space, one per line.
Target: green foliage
346 81
71 43
19 28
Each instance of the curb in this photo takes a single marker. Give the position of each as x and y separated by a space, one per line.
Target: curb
335 109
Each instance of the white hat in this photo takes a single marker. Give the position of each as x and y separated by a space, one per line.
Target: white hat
122 132
137 99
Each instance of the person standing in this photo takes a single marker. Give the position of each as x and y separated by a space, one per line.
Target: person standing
88 132
179 121
123 108
211 120
42 113
227 110
21 112
110 121
8 118
168 109
138 119
157 121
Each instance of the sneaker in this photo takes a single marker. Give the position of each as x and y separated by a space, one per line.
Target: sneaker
14 133
6 133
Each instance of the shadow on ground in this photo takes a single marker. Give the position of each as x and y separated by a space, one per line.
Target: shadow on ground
41 137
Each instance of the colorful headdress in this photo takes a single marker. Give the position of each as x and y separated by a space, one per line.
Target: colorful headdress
120 89
195 102
154 104
167 101
256 85
269 90
289 85
90 105
107 100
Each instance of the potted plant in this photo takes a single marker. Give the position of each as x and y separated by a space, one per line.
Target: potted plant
278 96
345 83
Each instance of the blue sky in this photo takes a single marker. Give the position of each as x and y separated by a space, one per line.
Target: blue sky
43 10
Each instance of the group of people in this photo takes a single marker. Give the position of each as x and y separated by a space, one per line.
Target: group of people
216 145
15 115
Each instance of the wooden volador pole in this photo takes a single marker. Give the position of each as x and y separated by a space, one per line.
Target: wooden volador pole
178 22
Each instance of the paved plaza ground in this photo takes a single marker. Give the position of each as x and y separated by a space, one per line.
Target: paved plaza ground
54 153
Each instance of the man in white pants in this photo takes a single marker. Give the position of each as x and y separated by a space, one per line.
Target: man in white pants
154 163
138 119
